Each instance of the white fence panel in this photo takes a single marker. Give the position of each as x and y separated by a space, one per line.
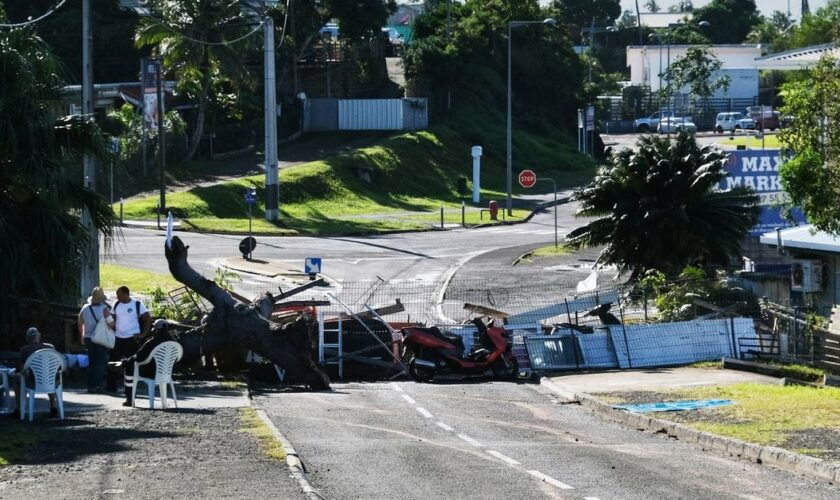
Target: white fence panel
370 114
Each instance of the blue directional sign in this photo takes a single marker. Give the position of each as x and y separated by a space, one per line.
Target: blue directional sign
250 196
312 265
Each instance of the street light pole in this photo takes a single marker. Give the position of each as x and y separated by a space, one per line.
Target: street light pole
272 172
509 154
89 276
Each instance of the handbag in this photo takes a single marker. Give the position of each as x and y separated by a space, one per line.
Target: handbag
102 334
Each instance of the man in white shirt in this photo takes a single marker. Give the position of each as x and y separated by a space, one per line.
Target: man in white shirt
132 323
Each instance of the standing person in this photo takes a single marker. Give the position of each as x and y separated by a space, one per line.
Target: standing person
33 343
132 324
95 309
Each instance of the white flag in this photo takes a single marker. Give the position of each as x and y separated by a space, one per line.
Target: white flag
590 284
169 223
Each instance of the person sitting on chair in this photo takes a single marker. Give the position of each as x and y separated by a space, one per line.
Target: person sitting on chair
33 343
160 334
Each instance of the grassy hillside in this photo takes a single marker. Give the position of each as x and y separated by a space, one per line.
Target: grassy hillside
408 172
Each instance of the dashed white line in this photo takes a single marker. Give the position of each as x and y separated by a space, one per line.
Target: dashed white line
424 412
408 398
503 458
470 440
444 426
550 480
591 498
395 386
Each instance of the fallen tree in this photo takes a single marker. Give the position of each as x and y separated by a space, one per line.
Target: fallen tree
233 322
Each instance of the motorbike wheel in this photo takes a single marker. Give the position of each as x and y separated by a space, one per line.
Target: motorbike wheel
420 373
506 371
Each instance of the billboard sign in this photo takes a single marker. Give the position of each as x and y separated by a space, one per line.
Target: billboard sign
759 169
148 79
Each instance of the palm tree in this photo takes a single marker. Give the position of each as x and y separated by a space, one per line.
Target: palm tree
657 207
192 38
41 188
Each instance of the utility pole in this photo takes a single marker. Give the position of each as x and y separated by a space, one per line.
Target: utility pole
89 276
272 173
161 133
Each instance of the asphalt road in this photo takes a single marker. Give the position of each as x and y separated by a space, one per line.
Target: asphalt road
500 440
426 256
622 141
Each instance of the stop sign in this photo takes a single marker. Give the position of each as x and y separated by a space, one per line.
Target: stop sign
527 178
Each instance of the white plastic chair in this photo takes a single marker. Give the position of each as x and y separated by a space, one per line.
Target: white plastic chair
165 355
46 366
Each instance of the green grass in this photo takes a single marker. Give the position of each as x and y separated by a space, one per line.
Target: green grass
408 172
14 438
771 141
802 372
112 277
707 365
253 425
551 250
766 414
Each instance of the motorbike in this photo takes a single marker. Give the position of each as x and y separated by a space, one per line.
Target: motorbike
429 351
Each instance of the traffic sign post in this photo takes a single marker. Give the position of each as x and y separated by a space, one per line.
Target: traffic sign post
527 179
312 266
250 199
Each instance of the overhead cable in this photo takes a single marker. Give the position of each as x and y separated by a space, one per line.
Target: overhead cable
43 16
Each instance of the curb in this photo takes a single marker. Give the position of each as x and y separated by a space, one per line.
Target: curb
766 455
293 461
542 206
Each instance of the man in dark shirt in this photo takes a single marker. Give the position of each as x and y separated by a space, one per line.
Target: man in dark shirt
160 334
33 343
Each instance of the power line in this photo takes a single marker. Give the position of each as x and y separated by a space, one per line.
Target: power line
166 25
45 15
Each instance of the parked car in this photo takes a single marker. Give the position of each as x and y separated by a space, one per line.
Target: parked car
675 125
651 122
764 117
732 121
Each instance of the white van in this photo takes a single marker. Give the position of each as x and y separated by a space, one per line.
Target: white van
732 121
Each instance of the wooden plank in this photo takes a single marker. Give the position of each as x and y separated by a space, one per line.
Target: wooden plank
398 307
301 288
485 311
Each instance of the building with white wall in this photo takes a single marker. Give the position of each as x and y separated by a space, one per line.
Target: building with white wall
647 62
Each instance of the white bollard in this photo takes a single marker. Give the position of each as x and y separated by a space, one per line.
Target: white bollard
476 156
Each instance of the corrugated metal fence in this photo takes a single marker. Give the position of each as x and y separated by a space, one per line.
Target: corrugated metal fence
327 114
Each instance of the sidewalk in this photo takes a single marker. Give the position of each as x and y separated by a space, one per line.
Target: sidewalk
102 449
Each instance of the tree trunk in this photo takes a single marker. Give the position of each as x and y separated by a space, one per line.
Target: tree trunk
235 323
202 110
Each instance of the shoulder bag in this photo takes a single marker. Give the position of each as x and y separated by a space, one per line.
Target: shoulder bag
102 334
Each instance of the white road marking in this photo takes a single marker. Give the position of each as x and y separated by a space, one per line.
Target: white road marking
470 440
424 412
408 398
395 386
550 480
503 458
591 498
444 426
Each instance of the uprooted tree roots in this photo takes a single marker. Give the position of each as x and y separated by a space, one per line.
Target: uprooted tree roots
248 325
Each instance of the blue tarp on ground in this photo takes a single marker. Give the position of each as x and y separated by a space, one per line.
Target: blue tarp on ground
675 405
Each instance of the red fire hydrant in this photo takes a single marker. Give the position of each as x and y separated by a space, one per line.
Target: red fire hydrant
494 210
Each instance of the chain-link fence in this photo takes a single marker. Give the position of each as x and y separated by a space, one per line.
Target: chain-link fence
553 327
798 335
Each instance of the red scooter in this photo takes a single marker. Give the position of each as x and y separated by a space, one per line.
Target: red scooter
429 351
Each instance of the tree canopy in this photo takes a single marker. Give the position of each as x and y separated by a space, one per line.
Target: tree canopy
730 21
41 189
582 13
695 70
656 207
812 176
546 73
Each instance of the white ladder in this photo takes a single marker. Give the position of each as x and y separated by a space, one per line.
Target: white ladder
338 345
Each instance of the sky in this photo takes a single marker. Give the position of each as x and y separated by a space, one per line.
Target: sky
765 6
